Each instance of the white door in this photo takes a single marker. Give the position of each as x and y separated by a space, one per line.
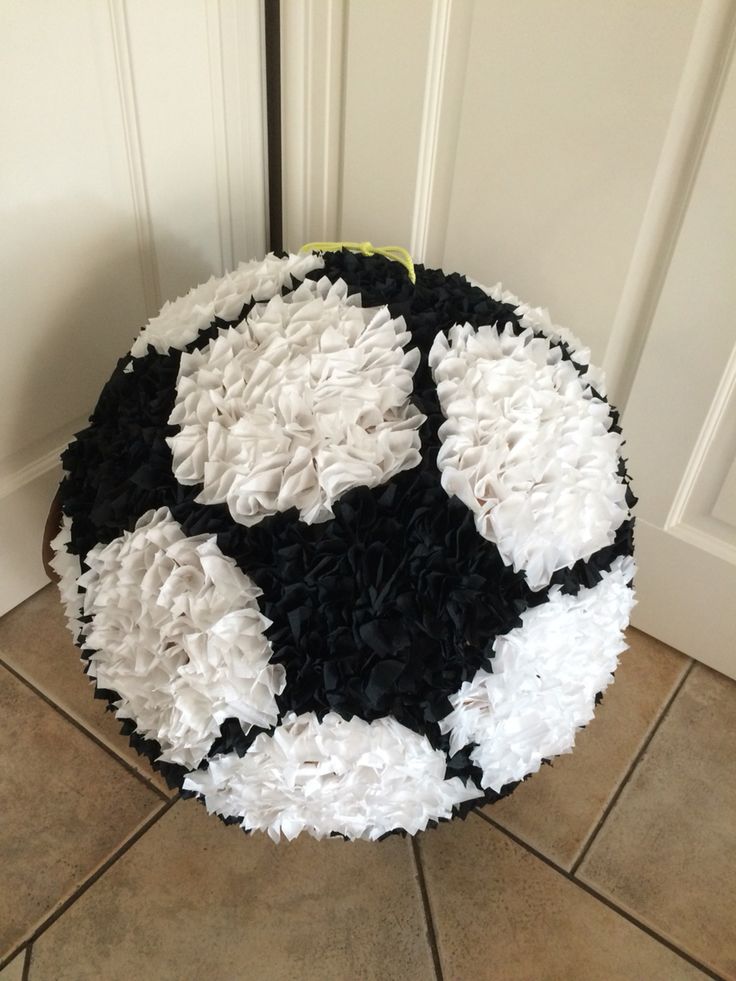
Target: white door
585 155
132 167
681 420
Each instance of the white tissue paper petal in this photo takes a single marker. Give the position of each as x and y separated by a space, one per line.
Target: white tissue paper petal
354 778
546 675
177 632
67 568
539 319
527 447
180 321
303 400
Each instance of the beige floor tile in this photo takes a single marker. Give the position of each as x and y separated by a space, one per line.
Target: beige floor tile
195 899
667 852
500 914
66 805
14 970
556 810
35 642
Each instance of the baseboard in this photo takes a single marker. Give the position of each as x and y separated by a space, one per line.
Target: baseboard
24 503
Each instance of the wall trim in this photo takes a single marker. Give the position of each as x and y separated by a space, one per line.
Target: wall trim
312 87
717 412
22 518
429 141
704 541
252 114
695 104
134 153
25 497
213 13
32 462
32 471
238 127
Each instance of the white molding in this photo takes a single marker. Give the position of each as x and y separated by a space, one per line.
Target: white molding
723 509
22 518
704 541
28 464
249 181
237 95
429 141
134 153
312 94
694 107
213 12
713 420
25 497
452 94
32 471
685 595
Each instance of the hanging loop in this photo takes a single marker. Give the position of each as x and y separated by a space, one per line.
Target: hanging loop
393 252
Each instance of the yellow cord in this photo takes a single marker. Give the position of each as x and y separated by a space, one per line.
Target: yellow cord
393 252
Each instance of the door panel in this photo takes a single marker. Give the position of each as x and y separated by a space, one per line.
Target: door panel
681 421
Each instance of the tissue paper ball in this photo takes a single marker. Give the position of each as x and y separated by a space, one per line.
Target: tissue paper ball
348 554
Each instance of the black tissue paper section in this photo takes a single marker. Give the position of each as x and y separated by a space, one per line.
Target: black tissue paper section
384 610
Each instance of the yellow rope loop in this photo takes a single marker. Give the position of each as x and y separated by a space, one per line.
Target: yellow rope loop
393 252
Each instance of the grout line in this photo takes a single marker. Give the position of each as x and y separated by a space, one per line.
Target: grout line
59 911
83 729
650 931
634 764
427 911
26 964
20 951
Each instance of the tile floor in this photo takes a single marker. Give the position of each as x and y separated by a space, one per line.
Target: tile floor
618 862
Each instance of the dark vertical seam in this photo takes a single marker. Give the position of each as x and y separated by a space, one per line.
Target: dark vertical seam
272 31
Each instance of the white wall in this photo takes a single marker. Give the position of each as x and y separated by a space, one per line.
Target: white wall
132 167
